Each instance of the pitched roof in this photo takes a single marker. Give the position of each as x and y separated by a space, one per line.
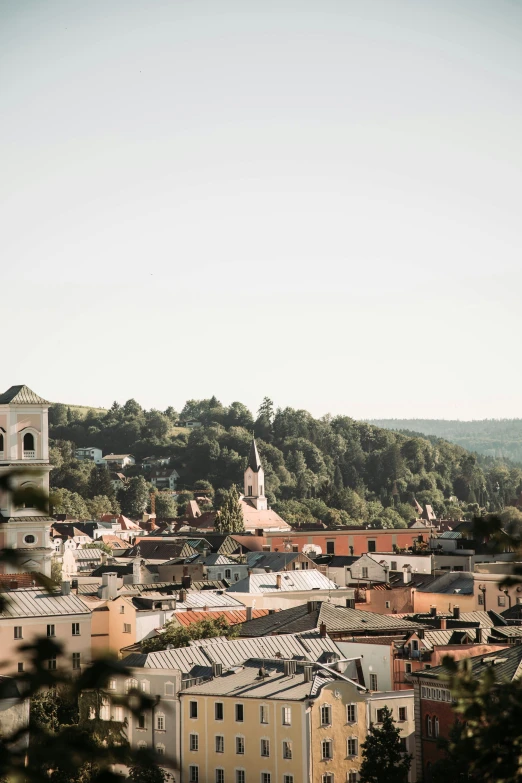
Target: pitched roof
284 582
161 549
232 616
254 461
21 395
116 456
88 554
337 619
20 580
36 602
505 664
273 561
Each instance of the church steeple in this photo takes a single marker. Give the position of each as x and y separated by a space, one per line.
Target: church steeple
255 479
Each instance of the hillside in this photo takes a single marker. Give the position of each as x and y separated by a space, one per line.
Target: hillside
334 469
499 438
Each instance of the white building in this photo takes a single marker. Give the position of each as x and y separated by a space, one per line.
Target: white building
90 453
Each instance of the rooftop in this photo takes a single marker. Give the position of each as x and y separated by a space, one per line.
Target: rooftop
36 602
287 581
505 664
21 395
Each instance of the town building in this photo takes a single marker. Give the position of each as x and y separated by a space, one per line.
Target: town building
90 453
348 541
24 453
118 461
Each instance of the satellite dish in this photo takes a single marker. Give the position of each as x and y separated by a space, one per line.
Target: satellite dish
312 549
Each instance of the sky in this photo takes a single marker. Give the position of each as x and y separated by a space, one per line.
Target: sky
313 200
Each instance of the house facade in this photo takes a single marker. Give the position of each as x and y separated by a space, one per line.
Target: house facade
90 453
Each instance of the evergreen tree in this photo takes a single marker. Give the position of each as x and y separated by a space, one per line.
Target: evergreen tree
383 757
165 505
230 518
100 483
135 498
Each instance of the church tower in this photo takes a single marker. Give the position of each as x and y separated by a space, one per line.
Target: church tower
255 480
24 452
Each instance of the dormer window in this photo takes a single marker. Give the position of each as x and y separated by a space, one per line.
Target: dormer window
29 447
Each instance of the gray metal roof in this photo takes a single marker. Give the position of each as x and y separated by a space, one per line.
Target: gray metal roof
87 554
21 395
289 580
35 602
451 534
505 664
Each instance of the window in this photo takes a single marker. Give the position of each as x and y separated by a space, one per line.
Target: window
220 744
240 776
142 745
76 629
415 645
371 545
429 728
20 667
50 630
141 721
126 628
194 741
160 722
287 749
330 547
117 713
249 491
326 749
365 572
228 573
352 776
326 715
265 748
131 685
193 774
30 539
387 604
160 750
220 776
288 779
393 565
112 685
380 715
122 609
502 600
435 726
193 709
169 689
373 682
287 716
105 709
407 668
28 445
218 710
76 660
51 663
145 686
266 777
327 778
351 713
239 713
402 744
351 746
240 746
263 714
403 713
18 632
1 442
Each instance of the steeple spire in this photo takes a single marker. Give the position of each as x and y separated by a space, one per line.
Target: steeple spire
254 460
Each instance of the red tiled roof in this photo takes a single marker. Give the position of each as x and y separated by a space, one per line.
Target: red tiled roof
233 617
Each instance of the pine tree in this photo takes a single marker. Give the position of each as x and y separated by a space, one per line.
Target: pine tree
100 483
383 757
230 518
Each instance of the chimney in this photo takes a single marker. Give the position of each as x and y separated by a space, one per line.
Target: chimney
307 671
290 668
186 582
322 629
443 624
109 586
248 613
456 612
182 595
136 572
271 611
217 669
66 588
406 574
433 611
278 581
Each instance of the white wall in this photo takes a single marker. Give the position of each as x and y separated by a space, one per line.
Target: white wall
375 659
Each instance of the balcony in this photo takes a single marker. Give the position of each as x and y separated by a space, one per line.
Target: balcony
30 454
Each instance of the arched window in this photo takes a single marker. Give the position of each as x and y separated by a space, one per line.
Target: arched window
435 727
130 685
28 441
429 729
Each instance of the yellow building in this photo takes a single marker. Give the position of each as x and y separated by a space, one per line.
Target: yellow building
282 722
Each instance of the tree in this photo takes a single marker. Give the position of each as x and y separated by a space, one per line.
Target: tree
165 505
56 571
145 772
98 544
135 497
382 755
100 482
230 518
100 505
181 635
65 502
182 499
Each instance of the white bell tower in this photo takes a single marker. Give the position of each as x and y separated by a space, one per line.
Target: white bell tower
24 452
255 480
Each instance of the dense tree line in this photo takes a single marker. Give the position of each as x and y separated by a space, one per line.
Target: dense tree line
332 469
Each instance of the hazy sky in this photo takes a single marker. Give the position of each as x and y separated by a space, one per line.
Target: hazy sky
319 201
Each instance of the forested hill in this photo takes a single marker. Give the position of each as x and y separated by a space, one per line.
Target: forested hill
332 469
499 438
